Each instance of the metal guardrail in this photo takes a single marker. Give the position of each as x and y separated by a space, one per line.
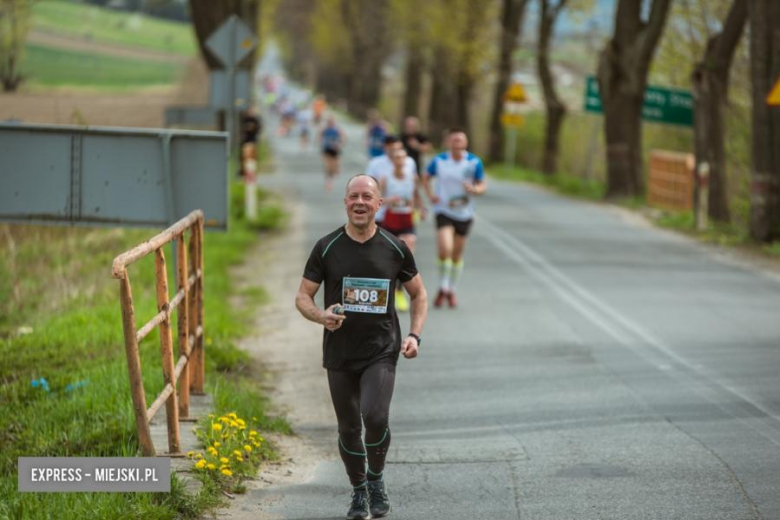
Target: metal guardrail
188 303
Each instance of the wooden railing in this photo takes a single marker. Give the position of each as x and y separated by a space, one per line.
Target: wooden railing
188 303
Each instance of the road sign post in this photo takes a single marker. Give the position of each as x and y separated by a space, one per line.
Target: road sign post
231 43
512 120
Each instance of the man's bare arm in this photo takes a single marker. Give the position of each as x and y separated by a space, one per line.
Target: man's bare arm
304 302
418 310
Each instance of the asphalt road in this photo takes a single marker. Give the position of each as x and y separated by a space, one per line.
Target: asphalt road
595 368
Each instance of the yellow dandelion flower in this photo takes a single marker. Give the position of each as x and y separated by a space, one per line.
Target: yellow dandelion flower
232 415
253 433
212 450
256 444
261 439
237 453
234 424
241 422
201 464
247 447
224 460
217 444
216 427
198 455
211 467
190 454
227 472
224 419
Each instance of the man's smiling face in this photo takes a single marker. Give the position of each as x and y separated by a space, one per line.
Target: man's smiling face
362 200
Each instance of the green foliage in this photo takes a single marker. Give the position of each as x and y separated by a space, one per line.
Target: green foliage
51 67
562 183
63 323
104 26
270 214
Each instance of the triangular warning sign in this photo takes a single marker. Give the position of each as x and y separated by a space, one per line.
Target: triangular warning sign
773 98
516 93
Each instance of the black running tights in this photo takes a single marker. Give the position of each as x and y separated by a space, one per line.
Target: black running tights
367 393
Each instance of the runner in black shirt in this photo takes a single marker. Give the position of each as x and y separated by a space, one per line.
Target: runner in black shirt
415 143
360 265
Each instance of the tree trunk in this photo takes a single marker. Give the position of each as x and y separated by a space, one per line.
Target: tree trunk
710 93
556 110
764 71
443 95
367 22
511 23
622 75
623 133
414 72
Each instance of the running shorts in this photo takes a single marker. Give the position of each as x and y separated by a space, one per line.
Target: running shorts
399 223
461 226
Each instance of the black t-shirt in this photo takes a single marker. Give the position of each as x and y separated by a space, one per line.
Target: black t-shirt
412 152
362 278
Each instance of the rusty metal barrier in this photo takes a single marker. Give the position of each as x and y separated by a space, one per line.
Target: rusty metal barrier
188 303
670 180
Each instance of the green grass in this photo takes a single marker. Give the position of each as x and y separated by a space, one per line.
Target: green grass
562 183
100 25
60 319
49 67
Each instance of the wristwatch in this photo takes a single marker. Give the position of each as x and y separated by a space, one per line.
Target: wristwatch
415 336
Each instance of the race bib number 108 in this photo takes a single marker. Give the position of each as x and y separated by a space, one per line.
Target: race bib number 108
365 295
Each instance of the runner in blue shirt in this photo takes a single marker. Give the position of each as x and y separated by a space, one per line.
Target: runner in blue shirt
460 176
332 140
375 134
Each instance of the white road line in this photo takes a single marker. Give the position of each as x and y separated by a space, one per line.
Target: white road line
587 304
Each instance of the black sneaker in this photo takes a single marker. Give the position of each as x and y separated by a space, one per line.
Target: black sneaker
358 509
380 504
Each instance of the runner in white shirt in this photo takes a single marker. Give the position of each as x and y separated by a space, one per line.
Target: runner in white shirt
460 175
382 167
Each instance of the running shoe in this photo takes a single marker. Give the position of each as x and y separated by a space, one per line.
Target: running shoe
380 504
358 509
401 303
452 300
440 297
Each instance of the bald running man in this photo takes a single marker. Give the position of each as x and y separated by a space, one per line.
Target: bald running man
362 341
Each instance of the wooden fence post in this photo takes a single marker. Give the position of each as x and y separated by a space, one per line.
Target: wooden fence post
182 283
197 360
166 350
134 366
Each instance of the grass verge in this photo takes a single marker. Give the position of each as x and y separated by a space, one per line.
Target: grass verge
99 25
562 183
60 321
48 67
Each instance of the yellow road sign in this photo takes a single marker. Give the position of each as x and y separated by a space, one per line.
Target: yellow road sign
512 120
515 93
773 99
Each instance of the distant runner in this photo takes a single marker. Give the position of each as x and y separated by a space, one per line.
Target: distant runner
401 197
318 107
460 175
332 140
375 133
415 142
362 341
379 168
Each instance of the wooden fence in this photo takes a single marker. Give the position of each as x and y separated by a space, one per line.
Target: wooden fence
188 303
670 180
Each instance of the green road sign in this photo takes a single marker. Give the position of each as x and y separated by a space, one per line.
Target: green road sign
662 105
